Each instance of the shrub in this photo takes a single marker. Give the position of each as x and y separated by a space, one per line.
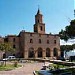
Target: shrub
15 64
2 63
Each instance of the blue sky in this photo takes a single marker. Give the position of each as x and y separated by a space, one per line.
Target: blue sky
16 15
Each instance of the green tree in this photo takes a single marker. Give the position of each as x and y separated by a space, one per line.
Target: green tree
69 31
66 48
6 47
63 35
73 46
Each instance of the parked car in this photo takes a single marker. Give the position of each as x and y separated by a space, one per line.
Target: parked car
9 58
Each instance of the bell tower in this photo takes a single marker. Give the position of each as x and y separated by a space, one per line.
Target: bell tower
39 26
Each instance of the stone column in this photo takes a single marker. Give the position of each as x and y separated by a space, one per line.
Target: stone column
59 52
44 53
35 52
51 53
26 54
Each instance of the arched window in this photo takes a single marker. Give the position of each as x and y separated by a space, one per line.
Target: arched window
39 40
31 40
47 52
38 21
55 52
39 52
41 28
39 35
14 39
14 46
30 34
4 55
47 41
54 41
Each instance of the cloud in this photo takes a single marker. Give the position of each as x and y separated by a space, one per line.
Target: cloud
69 42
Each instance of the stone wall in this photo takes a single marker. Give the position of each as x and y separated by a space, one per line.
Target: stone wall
44 45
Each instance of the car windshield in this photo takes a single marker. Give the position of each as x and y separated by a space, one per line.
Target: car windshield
10 57
13 57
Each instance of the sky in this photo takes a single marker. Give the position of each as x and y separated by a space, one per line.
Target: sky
17 15
69 42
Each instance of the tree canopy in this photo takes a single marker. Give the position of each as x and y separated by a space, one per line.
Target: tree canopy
67 47
69 31
6 47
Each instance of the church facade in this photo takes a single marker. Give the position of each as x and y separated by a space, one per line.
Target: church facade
35 44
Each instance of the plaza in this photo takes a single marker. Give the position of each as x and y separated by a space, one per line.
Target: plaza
26 69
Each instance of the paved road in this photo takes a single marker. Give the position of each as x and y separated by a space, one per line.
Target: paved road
27 69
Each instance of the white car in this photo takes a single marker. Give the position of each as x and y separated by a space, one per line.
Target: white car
10 57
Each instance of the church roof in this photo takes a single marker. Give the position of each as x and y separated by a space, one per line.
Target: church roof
38 12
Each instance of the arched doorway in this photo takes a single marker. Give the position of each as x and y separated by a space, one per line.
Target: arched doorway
31 53
47 52
40 52
55 52
4 55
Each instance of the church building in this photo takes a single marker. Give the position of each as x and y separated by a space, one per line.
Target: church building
35 44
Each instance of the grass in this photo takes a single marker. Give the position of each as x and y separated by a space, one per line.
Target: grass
54 69
71 70
56 66
8 67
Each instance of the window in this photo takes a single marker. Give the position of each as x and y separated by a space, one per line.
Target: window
47 41
54 41
41 28
13 39
38 21
31 41
47 35
55 36
14 46
39 35
39 40
6 40
30 34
